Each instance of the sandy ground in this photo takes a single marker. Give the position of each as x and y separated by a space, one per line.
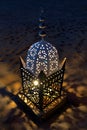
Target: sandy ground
70 38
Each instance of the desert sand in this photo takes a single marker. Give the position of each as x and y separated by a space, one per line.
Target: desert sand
68 33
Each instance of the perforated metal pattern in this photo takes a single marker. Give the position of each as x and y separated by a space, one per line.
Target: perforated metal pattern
42 56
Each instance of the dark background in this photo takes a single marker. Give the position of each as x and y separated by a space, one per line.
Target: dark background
23 11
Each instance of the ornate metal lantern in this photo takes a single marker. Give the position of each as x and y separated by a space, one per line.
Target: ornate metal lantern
42 78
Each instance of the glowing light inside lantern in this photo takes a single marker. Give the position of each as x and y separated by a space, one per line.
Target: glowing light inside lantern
36 82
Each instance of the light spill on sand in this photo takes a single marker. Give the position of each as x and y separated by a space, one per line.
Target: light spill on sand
8 79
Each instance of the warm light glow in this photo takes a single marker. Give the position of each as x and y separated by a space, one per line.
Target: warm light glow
36 82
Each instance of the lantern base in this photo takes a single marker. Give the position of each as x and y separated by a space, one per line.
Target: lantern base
30 108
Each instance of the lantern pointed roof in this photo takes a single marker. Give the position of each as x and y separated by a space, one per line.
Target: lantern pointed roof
42 56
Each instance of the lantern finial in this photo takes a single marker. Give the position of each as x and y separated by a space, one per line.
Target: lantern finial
42 25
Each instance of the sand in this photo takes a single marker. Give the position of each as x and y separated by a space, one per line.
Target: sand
70 38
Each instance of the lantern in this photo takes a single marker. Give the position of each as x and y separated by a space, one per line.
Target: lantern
42 77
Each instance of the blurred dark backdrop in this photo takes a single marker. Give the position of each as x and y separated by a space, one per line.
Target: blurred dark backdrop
24 11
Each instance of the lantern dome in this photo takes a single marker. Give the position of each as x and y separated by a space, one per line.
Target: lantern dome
42 56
